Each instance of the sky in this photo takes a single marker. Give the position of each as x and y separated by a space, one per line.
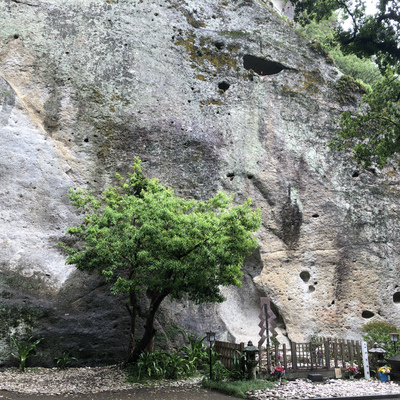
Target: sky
371 6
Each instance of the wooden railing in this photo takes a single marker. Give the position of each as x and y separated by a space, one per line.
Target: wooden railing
227 352
324 354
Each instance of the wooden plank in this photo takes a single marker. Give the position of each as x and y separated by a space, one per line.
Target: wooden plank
342 354
284 357
350 344
327 354
335 354
294 355
312 356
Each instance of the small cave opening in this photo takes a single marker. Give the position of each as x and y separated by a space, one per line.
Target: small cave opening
230 175
261 66
315 215
311 288
219 45
223 86
356 174
396 298
367 314
305 276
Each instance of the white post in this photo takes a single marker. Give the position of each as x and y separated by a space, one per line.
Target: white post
365 360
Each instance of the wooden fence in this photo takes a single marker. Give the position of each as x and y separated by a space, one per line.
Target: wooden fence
227 352
325 354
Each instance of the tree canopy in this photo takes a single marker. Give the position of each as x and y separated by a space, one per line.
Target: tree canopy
373 129
150 243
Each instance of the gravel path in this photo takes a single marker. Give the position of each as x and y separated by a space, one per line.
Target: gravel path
110 383
303 389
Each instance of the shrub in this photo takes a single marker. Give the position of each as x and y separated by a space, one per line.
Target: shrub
25 351
64 360
378 331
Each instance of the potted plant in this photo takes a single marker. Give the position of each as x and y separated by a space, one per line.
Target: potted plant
277 373
384 373
352 370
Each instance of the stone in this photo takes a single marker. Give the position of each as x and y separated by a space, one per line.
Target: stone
211 96
315 377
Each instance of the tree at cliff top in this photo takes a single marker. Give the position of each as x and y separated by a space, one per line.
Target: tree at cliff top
148 242
373 129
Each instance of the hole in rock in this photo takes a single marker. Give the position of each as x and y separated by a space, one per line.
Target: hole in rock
311 288
219 45
396 298
250 176
262 67
333 302
315 215
305 276
355 174
16 36
373 170
367 314
230 175
224 86
86 140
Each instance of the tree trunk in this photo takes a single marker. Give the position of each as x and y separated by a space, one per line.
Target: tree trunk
149 332
133 311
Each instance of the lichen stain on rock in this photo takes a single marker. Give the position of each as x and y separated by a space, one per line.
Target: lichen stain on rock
292 219
202 52
348 90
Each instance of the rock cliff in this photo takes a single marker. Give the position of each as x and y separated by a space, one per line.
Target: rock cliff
211 95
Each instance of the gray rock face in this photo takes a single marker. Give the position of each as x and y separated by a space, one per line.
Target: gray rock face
210 95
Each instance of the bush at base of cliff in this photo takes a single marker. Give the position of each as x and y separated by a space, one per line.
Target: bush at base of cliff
378 332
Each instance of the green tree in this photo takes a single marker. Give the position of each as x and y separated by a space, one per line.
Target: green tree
378 332
373 129
361 69
148 242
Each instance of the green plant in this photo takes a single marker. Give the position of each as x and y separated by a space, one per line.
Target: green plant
218 372
151 365
147 241
238 372
64 360
196 352
159 364
378 332
237 388
25 350
176 367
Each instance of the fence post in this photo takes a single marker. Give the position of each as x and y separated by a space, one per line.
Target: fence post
343 354
294 355
284 357
335 353
312 355
327 355
350 344
276 353
359 353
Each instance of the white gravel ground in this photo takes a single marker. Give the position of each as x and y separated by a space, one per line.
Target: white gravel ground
102 379
304 389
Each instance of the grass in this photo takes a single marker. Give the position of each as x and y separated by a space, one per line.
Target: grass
237 388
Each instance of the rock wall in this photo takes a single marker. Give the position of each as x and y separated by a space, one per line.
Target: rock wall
211 95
